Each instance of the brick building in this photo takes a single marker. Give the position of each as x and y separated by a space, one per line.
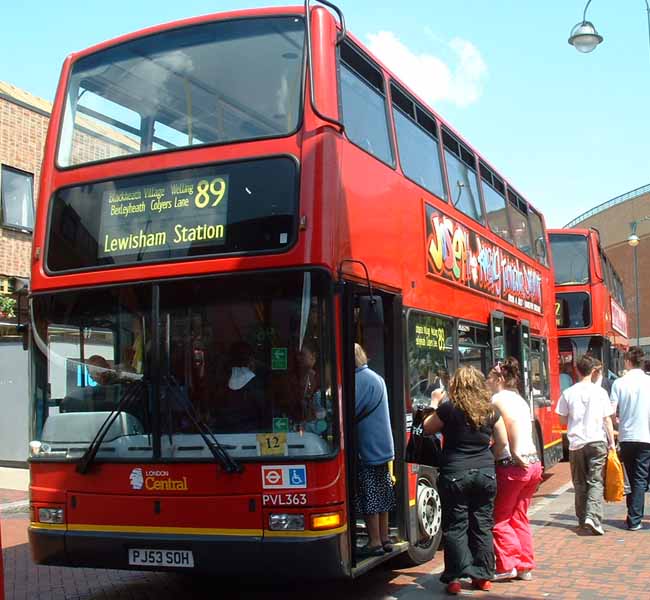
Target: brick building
23 125
24 120
613 219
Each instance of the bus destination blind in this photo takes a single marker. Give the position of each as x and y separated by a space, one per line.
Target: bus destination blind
165 216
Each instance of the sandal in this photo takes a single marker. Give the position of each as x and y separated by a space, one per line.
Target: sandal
367 551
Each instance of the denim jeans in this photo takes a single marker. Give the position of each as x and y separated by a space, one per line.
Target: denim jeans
467 520
636 458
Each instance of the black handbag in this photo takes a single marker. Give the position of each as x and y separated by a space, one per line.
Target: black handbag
423 449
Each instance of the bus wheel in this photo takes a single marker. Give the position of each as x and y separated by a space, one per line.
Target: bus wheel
429 518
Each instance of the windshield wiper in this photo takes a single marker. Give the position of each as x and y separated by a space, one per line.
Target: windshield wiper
133 393
229 464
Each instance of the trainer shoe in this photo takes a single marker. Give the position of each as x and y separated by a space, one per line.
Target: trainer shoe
454 587
524 574
482 584
634 527
505 575
595 529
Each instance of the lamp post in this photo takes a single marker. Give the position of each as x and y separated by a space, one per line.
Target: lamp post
633 240
584 37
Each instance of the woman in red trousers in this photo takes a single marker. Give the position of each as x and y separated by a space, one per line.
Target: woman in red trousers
518 472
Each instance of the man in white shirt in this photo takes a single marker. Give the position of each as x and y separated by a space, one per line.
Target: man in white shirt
631 398
586 410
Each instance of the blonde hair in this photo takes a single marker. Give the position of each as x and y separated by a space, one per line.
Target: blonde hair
360 357
469 393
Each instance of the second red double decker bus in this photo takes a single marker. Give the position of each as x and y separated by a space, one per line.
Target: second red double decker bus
589 303
229 203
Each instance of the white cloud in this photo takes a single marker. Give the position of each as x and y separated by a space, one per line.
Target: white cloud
431 77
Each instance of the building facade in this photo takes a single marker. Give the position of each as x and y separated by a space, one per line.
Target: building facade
24 121
23 124
614 221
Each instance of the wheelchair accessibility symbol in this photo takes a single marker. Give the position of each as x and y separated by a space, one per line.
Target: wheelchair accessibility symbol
297 477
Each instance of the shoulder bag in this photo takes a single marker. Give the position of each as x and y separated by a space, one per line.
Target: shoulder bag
423 449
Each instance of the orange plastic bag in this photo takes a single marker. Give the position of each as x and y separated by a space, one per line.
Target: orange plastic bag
614 479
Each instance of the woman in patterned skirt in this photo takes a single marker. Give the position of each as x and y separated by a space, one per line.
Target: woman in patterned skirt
375 493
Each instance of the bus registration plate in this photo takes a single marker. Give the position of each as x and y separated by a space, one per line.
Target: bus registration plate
150 557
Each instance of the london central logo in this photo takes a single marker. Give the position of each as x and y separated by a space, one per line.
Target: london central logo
156 480
136 479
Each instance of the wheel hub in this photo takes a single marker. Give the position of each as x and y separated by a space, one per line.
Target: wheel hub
429 509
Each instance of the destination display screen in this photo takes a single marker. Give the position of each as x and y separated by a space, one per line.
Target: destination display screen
174 214
227 208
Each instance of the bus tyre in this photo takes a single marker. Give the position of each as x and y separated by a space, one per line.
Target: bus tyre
429 522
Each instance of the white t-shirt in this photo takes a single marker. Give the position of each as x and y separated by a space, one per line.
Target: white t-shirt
514 408
631 395
586 405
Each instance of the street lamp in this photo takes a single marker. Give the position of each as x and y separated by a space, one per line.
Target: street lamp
633 240
584 37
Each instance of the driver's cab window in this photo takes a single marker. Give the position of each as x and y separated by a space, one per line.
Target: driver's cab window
430 356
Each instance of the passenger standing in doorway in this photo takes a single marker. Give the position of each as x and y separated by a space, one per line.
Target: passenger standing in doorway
631 397
519 471
467 481
375 493
586 410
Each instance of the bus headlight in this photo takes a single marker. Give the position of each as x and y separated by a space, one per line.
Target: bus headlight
51 515
287 522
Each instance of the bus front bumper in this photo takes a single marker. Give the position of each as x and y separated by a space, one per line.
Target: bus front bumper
290 557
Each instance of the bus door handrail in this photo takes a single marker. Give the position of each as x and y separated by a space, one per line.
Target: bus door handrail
310 61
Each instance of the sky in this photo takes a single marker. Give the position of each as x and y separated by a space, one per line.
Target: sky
567 130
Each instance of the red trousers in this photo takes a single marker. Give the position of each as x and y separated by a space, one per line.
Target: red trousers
513 539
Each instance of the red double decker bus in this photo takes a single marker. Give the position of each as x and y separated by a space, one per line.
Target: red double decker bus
227 204
589 304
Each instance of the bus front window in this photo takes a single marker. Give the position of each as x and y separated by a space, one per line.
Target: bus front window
245 360
248 360
570 258
212 83
88 352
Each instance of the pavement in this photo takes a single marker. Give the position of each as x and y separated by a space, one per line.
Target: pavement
572 565
14 494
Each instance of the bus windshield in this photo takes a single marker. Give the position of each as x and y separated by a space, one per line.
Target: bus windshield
244 358
211 83
570 258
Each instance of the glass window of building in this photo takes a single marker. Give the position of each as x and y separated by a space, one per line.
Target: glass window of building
417 141
17 199
363 100
462 177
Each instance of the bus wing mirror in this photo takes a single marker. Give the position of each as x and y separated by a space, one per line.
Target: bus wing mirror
372 310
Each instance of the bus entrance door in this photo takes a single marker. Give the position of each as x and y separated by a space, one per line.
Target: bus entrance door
373 319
